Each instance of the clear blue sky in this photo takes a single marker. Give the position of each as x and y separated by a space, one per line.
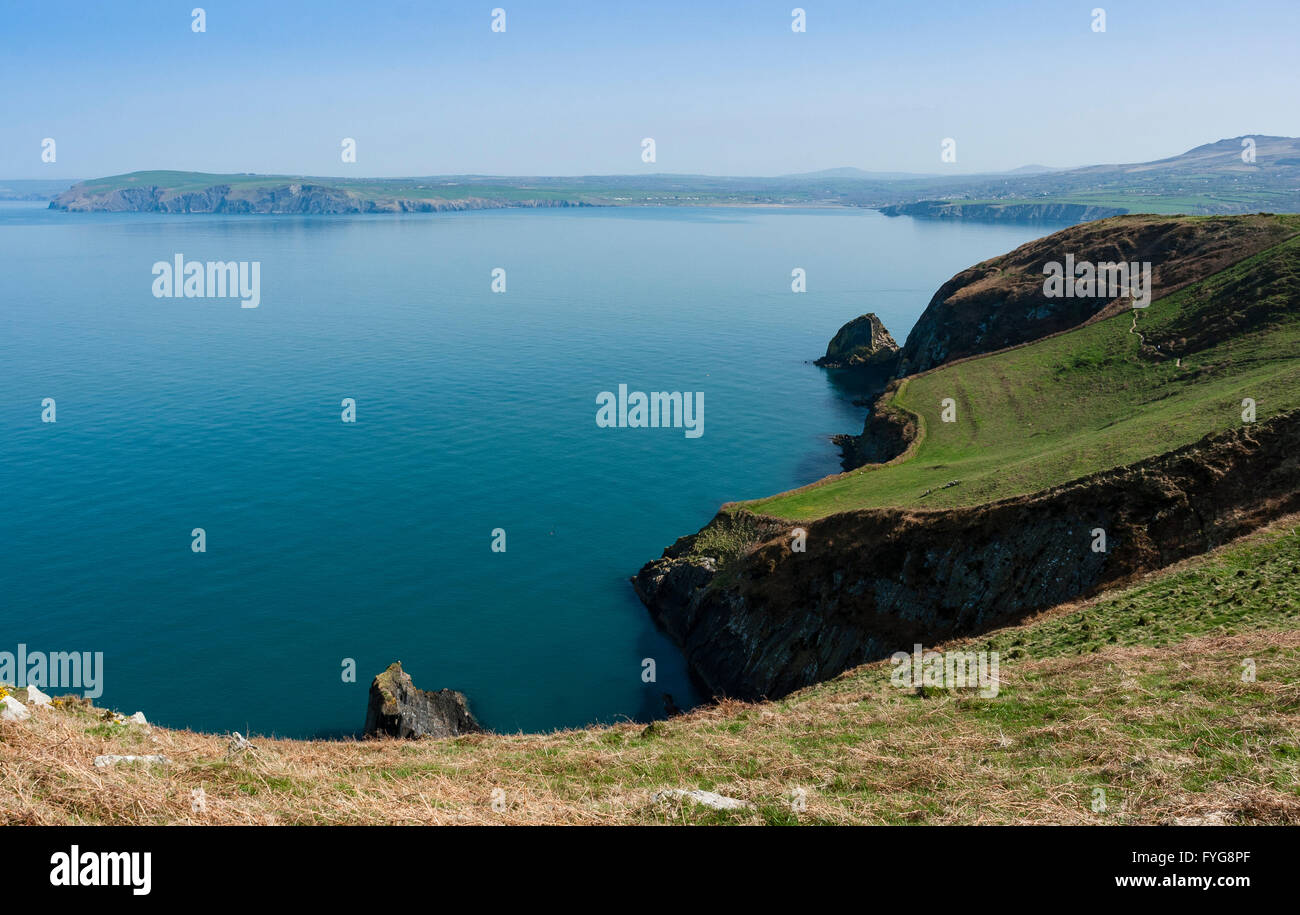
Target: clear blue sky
571 88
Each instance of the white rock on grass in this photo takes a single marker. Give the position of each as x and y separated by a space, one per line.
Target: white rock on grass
707 798
37 698
102 761
137 718
13 710
1213 818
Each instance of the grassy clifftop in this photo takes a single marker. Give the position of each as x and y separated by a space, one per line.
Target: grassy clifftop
1138 693
1096 397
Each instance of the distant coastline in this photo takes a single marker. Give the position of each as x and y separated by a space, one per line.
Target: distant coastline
1004 211
1208 180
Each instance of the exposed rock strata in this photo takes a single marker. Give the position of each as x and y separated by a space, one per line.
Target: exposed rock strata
875 581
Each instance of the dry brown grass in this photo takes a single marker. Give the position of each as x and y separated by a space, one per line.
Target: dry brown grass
1170 734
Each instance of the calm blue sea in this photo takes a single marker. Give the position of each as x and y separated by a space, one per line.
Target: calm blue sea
475 410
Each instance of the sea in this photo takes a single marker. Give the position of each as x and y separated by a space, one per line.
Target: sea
472 520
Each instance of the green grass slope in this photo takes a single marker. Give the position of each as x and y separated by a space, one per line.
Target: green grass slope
1089 399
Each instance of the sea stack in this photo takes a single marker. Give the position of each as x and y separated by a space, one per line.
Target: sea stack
863 343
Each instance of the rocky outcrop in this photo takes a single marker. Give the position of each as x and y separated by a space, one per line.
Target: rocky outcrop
1011 211
886 435
1000 303
287 198
862 343
152 759
875 581
398 709
706 798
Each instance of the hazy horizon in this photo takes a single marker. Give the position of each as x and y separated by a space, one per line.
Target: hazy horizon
568 90
869 173
881 175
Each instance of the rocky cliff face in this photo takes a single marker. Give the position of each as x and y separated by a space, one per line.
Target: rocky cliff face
1003 212
886 435
306 199
769 621
1000 302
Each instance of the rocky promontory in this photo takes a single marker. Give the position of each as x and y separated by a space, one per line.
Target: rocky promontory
762 605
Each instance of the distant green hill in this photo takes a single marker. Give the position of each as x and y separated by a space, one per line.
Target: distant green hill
1237 175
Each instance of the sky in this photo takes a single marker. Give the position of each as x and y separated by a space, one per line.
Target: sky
572 88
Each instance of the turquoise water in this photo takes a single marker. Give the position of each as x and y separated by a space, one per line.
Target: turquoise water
475 410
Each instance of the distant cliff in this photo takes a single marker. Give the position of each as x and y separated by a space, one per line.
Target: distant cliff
289 198
1018 211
